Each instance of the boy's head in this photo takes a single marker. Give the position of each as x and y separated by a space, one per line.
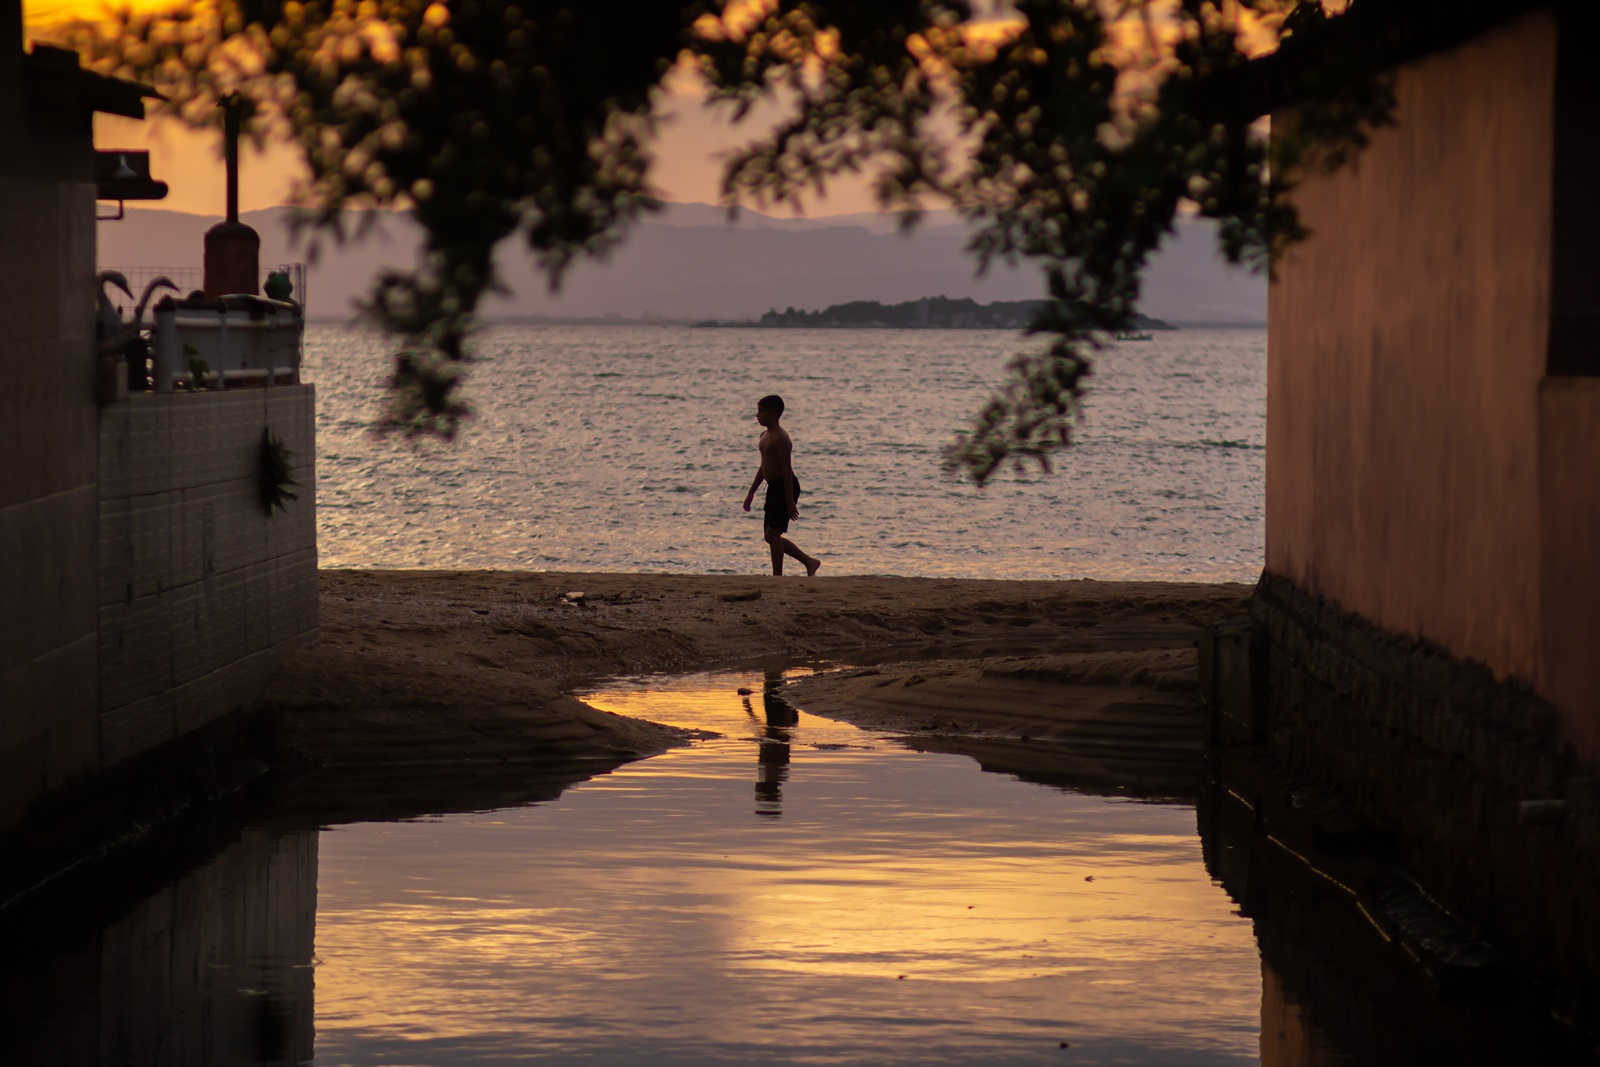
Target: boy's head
769 409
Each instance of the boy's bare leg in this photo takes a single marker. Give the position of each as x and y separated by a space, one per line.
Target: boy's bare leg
810 562
775 543
781 546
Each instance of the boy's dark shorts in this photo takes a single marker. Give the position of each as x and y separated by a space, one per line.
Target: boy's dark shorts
776 511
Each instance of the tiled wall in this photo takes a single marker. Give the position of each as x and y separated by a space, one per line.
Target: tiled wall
200 590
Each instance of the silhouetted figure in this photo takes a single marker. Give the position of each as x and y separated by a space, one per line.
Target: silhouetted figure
772 753
783 488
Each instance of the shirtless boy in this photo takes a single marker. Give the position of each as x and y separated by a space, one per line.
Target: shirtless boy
783 488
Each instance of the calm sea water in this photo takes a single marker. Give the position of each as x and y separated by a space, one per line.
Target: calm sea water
630 448
795 891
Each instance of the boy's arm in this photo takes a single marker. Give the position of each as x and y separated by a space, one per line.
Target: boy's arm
751 495
786 461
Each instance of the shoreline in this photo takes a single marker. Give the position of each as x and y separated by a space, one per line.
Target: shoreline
455 669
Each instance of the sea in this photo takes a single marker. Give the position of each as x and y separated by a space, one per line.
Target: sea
631 447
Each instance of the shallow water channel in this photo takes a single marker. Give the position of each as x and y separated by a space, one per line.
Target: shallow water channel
794 890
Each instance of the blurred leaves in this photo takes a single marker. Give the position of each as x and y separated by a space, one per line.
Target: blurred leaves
1071 133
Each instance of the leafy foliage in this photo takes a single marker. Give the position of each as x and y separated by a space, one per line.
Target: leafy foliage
1079 130
274 475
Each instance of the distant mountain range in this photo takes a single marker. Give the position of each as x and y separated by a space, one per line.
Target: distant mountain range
690 262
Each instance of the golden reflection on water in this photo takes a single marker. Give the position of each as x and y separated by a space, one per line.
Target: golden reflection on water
669 907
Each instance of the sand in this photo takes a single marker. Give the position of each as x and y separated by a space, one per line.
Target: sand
426 668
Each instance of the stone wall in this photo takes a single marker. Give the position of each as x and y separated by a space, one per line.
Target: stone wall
1444 755
200 590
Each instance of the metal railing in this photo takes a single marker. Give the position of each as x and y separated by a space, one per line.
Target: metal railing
237 341
192 279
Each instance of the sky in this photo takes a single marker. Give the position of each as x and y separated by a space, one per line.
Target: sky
686 170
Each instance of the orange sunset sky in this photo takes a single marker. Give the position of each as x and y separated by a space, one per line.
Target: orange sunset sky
686 167
692 140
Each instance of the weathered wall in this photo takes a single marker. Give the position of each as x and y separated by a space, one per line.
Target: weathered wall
1431 598
200 591
1408 339
1569 554
1443 755
48 722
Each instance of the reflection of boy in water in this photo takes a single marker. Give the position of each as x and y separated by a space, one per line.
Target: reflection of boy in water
783 488
772 754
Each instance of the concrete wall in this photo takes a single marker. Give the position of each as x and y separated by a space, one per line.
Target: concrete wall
1433 410
200 591
1408 341
48 503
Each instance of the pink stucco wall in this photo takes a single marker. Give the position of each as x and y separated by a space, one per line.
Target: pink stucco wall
1408 342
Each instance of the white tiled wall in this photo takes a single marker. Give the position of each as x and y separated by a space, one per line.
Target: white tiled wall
200 590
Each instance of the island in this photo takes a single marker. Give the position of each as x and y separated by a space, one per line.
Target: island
935 312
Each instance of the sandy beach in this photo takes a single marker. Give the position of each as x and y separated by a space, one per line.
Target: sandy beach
430 667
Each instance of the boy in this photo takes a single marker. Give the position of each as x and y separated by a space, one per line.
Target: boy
783 488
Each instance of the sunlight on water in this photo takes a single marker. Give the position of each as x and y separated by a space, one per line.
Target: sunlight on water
795 891
630 448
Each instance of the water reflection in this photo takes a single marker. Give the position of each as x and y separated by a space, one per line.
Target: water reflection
1336 990
212 968
905 908
772 752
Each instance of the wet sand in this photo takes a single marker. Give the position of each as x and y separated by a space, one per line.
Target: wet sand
420 668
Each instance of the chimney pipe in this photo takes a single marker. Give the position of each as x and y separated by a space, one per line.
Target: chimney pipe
233 250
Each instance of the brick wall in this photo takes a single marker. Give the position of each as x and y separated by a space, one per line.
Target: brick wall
200 591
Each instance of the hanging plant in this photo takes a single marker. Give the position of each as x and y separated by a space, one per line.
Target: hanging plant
273 473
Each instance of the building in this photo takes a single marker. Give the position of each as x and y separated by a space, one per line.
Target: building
1426 625
145 591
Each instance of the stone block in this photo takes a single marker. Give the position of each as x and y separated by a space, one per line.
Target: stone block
136 650
232 436
260 579
228 622
135 440
143 562
194 535
296 600
192 419
48 570
291 414
235 686
116 552
1233 658
243 532
47 410
294 529
132 728
186 617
